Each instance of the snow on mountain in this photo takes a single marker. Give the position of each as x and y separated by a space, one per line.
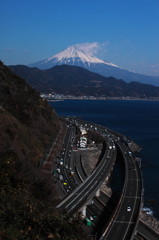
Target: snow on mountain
70 56
73 53
75 57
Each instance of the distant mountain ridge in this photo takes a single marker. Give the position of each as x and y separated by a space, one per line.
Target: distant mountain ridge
74 57
73 80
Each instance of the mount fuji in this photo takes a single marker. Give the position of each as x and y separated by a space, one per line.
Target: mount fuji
75 57
70 56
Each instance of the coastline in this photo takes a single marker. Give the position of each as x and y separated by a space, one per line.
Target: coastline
100 99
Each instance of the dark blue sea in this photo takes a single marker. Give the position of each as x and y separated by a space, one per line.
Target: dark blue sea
137 119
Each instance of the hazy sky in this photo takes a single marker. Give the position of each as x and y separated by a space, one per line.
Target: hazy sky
124 32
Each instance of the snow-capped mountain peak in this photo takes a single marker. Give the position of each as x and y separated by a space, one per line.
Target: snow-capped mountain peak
77 56
72 52
71 56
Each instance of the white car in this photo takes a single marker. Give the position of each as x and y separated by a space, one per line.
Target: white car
128 209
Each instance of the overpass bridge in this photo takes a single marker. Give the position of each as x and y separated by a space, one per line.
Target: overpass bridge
88 188
131 195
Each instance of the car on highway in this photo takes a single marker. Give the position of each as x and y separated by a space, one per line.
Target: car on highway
128 209
132 169
130 153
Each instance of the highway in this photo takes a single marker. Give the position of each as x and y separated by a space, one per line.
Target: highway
80 188
64 162
123 223
87 189
100 205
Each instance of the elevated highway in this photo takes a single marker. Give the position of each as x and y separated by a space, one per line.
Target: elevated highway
123 224
125 219
87 189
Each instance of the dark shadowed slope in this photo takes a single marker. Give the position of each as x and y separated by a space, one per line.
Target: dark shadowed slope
78 81
27 194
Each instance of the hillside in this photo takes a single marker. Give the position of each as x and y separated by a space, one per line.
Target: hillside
72 80
32 116
28 195
75 56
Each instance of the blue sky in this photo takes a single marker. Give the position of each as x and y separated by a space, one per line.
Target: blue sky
127 31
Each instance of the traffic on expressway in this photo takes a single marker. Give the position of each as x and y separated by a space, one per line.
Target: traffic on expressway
81 189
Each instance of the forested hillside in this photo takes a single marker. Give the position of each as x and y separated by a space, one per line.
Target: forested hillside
77 81
28 194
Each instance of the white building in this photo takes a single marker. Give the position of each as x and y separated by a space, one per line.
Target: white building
83 142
